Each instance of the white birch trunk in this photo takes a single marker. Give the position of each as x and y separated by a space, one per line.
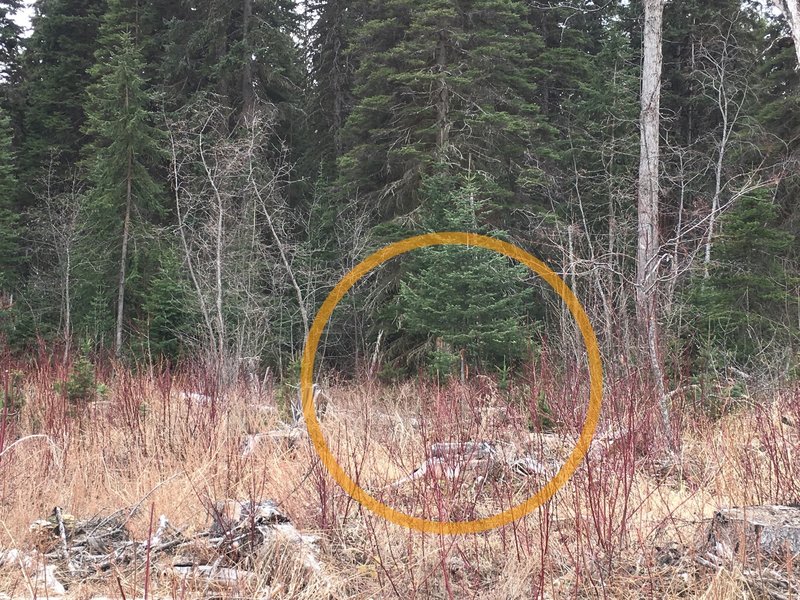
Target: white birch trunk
791 10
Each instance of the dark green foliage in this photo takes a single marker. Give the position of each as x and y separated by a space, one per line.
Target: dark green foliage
82 386
596 154
169 317
513 118
470 299
689 27
126 148
779 112
442 364
9 217
440 81
746 305
121 122
10 45
565 61
332 69
237 50
58 56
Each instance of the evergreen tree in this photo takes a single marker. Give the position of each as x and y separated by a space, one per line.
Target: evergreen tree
595 112
467 299
779 114
168 315
237 50
58 56
691 26
125 147
243 53
748 302
440 81
332 71
571 37
9 219
10 45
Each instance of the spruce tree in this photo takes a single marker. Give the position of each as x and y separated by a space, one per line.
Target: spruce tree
689 27
465 299
440 81
168 315
125 148
10 46
237 50
9 219
749 298
779 114
330 99
571 38
57 58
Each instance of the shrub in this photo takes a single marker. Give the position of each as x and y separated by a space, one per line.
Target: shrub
442 363
82 385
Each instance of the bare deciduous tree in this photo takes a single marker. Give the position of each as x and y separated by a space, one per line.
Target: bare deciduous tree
231 225
56 231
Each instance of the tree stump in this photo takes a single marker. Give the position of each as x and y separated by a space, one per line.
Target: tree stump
771 531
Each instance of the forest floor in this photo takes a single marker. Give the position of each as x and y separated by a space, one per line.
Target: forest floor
631 523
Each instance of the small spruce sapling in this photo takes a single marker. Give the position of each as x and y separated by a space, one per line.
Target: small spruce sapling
82 386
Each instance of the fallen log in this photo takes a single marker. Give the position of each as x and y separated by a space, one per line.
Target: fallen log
772 531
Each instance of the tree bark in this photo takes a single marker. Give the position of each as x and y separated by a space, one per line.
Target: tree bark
769 530
123 259
443 96
647 255
791 10
648 189
124 255
248 96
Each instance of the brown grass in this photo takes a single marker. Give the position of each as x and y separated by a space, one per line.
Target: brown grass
625 526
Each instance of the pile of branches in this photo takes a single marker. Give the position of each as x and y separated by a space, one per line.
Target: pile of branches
242 535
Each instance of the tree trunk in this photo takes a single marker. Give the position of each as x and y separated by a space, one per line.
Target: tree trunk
248 96
769 530
647 255
124 256
791 10
67 305
443 96
126 227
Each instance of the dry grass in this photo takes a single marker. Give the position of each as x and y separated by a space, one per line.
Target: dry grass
625 526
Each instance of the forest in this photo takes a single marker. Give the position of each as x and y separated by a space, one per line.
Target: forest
184 183
189 180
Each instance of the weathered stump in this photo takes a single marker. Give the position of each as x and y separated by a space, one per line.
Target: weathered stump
772 531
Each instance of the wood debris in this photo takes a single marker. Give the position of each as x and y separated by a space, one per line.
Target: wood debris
243 535
768 530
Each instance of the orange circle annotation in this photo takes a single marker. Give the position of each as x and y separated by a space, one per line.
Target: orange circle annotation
595 380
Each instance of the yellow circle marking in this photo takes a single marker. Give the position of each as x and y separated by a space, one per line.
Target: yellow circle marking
595 378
